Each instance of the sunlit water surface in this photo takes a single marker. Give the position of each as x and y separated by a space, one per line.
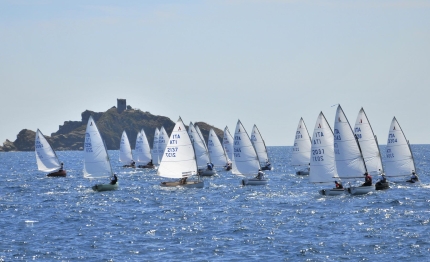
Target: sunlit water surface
63 219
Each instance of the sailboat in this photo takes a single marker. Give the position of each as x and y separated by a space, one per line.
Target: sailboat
399 158
350 163
245 158
96 159
260 147
46 158
155 156
216 151
369 148
143 151
227 143
300 157
201 151
125 155
322 165
163 139
179 160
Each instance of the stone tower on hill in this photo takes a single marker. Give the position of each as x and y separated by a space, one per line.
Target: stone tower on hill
121 105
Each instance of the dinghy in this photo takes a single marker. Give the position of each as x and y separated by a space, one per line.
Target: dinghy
349 160
322 165
202 154
143 151
46 158
300 157
260 147
125 155
96 159
370 149
179 160
216 151
245 159
227 143
399 162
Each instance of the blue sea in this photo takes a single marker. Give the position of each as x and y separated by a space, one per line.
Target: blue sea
62 219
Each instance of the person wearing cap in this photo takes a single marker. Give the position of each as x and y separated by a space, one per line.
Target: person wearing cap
383 179
338 185
414 177
367 180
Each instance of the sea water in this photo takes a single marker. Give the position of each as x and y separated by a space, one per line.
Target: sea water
62 219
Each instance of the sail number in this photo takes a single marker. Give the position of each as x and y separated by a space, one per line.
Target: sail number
87 144
392 139
390 154
317 154
39 145
171 151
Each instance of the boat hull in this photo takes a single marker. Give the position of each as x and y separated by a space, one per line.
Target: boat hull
105 187
189 184
382 186
129 166
146 166
254 182
332 192
266 168
207 172
360 190
302 173
61 173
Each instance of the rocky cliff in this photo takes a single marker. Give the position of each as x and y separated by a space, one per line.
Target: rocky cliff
70 135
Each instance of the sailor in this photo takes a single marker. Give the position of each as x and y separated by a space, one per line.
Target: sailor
113 179
338 185
260 174
267 164
132 163
210 165
382 179
367 180
414 177
150 163
61 168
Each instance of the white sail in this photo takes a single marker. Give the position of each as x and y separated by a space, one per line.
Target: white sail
202 154
96 158
163 139
142 150
349 160
245 158
227 142
323 167
368 144
399 159
125 155
302 146
179 160
155 156
47 160
215 149
259 146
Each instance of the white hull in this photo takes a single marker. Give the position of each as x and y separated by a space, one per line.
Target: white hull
361 190
332 192
207 172
105 187
254 182
189 184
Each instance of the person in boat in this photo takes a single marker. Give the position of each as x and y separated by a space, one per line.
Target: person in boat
414 177
260 174
150 163
132 163
338 185
183 181
268 165
228 165
367 180
210 166
61 168
113 179
383 179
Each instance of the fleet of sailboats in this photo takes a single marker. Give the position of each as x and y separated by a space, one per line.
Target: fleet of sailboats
331 156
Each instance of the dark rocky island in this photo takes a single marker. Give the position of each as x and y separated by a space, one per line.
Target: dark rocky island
70 135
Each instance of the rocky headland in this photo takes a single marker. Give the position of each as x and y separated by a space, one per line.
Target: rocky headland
70 135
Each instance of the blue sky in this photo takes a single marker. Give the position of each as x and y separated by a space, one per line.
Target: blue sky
264 62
